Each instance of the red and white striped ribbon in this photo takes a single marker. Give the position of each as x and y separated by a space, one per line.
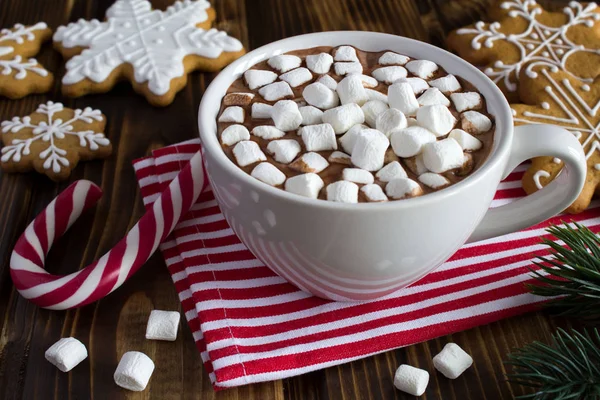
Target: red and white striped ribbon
110 271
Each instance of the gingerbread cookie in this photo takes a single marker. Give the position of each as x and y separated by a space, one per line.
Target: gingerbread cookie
524 36
53 139
153 49
19 74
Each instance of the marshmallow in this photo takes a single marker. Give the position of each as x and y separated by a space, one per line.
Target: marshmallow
402 97
338 157
418 85
310 162
328 81
276 91
319 63
377 95
297 77
238 99
284 151
409 142
342 192
475 122
466 101
433 96
369 149
268 132
347 141
284 62
318 137
351 90
345 68
345 53
401 188
410 121
390 58
311 115
267 173
318 95
307 185
443 155
434 181
389 75
233 134
452 361
390 120
416 164
446 84
368 81
411 380
232 114
373 193
163 325
344 117
66 354
357 175
437 118
134 371
467 166
256 78
372 109
261 111
286 116
391 171
247 152
466 141
424 69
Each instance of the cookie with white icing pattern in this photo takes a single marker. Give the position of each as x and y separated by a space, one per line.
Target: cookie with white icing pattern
153 49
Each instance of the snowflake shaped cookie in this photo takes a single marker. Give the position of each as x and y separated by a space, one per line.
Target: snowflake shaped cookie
53 139
19 74
526 36
154 49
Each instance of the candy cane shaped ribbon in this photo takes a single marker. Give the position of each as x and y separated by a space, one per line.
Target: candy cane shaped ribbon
115 267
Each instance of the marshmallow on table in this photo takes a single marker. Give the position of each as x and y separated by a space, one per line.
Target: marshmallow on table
475 122
416 164
328 81
345 68
434 181
373 193
368 81
256 78
344 117
134 371
232 114
319 63
342 192
284 62
307 185
284 151
248 152
390 172
391 58
418 85
338 157
402 97
163 325
357 175
372 109
310 162
347 141
390 120
267 173
401 188
286 116
466 141
389 75
409 142
424 69
267 132
297 77
377 95
261 111
443 155
233 134
433 96
238 99
446 84
66 354
276 91
318 137
369 149
466 101
311 115
411 380
351 90
318 95
436 118
452 361
345 53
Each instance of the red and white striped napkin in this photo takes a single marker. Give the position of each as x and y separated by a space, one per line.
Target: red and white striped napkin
250 325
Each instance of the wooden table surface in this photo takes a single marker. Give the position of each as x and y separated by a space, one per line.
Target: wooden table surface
117 323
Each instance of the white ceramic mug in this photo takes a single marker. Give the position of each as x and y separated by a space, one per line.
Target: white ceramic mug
367 250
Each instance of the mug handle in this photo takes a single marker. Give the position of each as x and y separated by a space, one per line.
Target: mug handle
534 141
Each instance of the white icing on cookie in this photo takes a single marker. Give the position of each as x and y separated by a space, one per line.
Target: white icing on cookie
19 34
540 174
